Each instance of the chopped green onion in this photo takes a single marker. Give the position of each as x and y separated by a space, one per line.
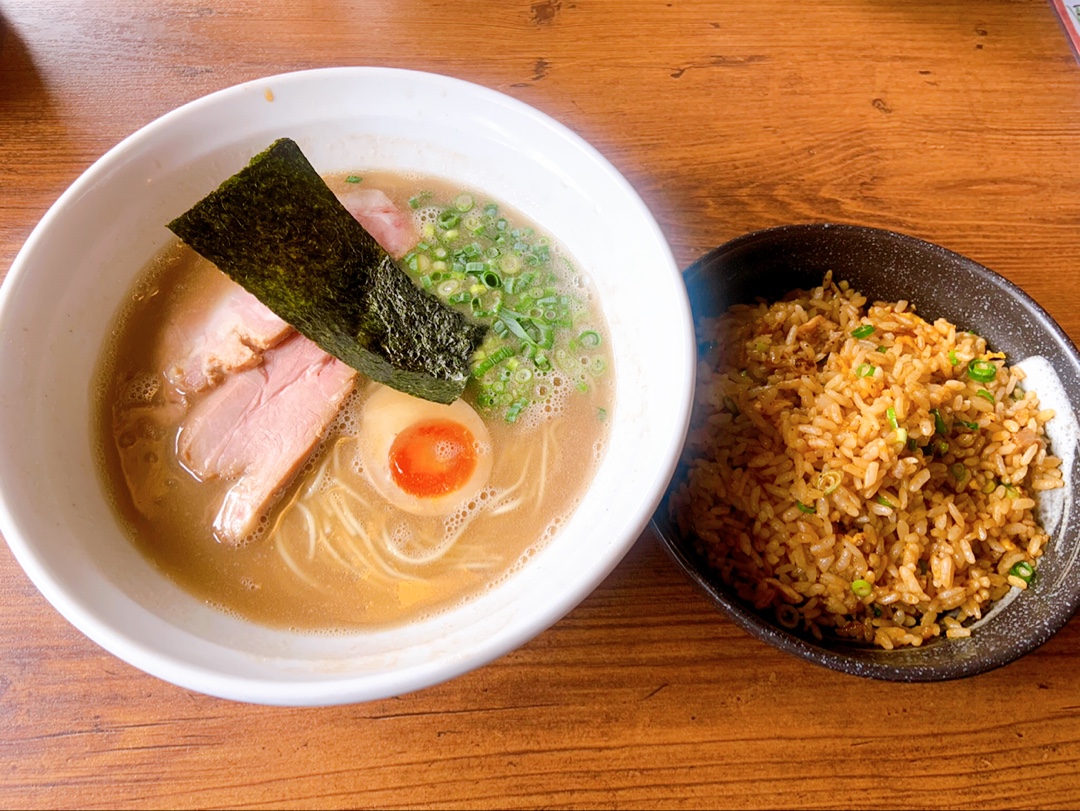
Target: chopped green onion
353 179
464 202
515 409
884 502
1024 570
953 359
865 370
590 339
890 414
805 508
418 200
601 414
496 357
911 443
829 480
985 395
883 349
510 320
971 426
959 472
448 287
864 331
939 422
982 371
861 588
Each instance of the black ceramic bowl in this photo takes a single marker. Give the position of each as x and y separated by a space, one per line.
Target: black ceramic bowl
941 284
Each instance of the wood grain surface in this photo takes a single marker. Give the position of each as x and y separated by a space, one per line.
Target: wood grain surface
952 120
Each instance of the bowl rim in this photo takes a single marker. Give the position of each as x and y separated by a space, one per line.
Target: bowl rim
796 645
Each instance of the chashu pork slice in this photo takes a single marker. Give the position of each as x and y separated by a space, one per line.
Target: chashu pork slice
230 337
391 227
259 426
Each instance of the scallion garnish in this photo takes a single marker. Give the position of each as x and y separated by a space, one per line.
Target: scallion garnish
959 472
829 480
939 422
495 358
805 508
864 331
861 588
419 200
890 414
353 179
953 359
590 339
985 395
982 371
865 370
472 257
1024 570
464 202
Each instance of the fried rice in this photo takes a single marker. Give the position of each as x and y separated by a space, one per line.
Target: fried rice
861 472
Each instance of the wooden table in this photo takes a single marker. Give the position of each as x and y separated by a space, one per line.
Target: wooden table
952 120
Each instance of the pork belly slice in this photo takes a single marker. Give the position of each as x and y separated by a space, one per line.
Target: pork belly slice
259 426
392 228
230 337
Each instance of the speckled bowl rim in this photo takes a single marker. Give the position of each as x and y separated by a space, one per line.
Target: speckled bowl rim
905 666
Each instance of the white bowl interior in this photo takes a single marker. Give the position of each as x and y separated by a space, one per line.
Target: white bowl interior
63 291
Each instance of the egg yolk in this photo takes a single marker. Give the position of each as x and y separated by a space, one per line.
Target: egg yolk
432 457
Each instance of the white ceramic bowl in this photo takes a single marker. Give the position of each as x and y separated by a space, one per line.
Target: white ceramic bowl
65 286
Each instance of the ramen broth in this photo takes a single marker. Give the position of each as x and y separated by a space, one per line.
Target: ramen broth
334 553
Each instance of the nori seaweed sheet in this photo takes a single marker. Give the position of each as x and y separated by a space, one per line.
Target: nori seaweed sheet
278 230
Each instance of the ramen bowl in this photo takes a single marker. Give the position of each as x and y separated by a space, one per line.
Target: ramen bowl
62 294
888 266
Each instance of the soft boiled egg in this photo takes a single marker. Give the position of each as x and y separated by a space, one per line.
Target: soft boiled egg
425 458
